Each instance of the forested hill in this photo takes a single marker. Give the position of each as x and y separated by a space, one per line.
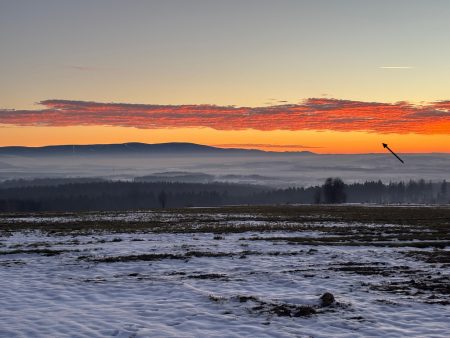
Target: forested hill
132 148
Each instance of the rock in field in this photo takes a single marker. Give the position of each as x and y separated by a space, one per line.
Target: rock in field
326 299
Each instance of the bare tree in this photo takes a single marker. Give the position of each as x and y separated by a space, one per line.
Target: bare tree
334 190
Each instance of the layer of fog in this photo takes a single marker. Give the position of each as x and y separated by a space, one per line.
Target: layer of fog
268 169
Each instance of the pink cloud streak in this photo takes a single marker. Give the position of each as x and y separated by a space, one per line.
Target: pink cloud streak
312 114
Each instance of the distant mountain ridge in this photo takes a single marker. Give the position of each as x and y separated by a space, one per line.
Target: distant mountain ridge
132 148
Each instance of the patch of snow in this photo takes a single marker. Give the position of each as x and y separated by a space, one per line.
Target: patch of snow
71 295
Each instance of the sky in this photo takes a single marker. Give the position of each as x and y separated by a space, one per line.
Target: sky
325 76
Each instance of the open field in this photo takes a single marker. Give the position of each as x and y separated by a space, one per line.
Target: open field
227 272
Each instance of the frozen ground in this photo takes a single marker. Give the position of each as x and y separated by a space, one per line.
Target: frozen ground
154 281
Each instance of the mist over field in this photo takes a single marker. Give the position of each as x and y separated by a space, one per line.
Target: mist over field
201 164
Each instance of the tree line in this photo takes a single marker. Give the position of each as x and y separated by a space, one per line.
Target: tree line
108 195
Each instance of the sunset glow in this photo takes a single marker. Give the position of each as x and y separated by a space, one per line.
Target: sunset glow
304 75
318 125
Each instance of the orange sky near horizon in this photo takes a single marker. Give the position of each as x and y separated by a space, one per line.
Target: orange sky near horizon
322 142
321 125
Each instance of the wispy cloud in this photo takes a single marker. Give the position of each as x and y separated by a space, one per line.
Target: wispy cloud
396 67
82 68
265 145
311 114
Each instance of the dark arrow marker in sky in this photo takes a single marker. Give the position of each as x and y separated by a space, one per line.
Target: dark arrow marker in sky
387 147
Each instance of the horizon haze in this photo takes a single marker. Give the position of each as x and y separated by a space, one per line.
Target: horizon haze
191 162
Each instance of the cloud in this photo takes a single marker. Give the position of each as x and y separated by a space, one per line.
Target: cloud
311 114
396 67
83 68
265 145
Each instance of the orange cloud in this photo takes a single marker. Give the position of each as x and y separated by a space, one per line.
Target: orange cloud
264 145
312 114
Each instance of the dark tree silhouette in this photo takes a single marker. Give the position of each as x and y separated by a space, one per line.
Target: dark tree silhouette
334 190
69 195
317 196
162 199
444 188
442 195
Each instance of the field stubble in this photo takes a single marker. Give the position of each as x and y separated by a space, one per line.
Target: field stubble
223 270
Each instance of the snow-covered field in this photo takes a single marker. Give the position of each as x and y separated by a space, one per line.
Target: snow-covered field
260 283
